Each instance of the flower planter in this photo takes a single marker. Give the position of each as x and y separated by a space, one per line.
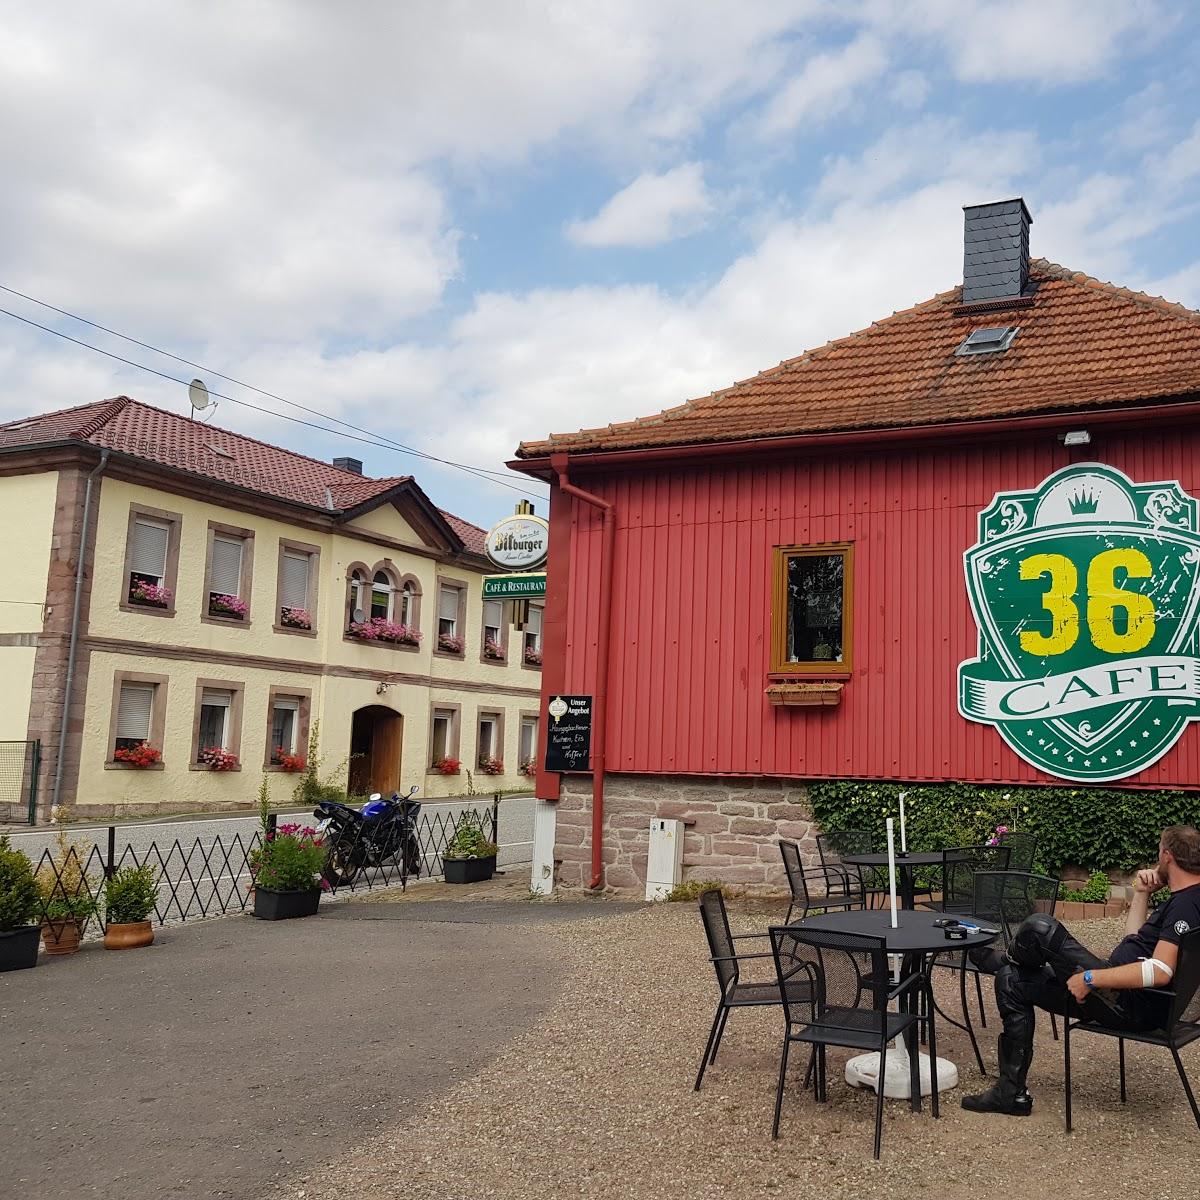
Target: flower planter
128 936
281 906
469 870
18 948
61 935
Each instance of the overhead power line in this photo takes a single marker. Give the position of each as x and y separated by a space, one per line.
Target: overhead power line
371 438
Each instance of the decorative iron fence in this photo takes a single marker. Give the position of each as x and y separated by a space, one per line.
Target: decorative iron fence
212 877
19 764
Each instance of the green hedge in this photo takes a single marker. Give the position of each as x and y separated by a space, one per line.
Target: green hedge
1097 828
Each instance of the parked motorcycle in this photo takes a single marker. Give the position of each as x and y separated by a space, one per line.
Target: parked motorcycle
380 832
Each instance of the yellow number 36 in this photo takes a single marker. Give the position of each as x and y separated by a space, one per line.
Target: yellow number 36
1103 598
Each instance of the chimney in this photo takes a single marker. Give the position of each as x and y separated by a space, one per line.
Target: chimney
995 250
353 465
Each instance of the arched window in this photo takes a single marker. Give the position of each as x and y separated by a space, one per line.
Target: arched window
357 596
408 606
383 595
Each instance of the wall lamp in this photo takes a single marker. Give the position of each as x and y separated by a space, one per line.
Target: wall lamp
382 687
1077 437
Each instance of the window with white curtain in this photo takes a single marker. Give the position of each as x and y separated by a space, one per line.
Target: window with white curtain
487 740
383 595
528 745
285 724
442 741
135 708
215 706
408 605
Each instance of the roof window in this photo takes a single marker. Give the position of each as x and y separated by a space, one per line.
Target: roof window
988 341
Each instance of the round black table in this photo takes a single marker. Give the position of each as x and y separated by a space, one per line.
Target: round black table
915 936
905 865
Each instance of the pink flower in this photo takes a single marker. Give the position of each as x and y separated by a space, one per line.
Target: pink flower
234 605
378 629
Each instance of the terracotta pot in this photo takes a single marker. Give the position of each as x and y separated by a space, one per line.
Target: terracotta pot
128 936
61 936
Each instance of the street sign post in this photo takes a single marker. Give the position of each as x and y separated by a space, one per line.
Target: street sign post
513 587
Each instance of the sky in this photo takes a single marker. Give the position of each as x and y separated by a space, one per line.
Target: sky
460 225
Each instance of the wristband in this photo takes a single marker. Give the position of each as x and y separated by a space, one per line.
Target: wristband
1087 978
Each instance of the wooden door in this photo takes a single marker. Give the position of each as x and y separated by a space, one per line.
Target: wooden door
386 745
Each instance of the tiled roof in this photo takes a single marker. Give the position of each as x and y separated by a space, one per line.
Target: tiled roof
1082 344
472 536
181 443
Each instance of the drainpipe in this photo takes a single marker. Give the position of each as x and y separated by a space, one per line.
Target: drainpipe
97 471
560 465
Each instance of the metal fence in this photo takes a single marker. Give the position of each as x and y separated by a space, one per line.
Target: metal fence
212 877
19 763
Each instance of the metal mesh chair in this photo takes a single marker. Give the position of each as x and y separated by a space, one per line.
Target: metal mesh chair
1181 1028
847 1005
798 876
959 867
727 962
867 883
1022 849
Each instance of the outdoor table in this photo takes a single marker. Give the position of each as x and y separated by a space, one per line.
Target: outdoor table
917 939
906 864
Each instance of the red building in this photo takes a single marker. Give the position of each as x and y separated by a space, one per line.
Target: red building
775 573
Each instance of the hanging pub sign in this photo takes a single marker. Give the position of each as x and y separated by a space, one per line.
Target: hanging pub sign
569 733
1085 593
518 543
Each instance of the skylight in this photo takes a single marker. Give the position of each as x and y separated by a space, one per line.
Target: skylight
988 341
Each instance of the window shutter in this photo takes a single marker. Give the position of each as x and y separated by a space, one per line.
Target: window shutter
133 711
534 624
493 613
289 703
225 578
215 699
448 604
149 555
294 582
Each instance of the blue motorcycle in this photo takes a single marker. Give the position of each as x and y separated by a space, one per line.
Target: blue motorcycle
381 832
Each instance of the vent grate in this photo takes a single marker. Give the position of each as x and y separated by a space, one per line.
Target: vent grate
988 341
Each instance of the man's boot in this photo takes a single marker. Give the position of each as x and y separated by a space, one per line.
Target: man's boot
1008 1095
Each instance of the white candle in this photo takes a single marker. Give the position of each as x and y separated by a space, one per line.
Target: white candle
892 867
903 826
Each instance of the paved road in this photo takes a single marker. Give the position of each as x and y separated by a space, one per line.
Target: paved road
232 1054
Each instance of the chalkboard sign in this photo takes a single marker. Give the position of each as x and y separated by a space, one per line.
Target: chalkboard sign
569 733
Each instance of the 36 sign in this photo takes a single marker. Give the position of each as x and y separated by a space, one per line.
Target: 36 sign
1085 593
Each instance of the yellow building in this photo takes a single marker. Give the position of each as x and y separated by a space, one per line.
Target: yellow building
183 596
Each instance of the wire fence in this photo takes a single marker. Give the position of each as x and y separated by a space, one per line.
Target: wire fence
19 763
207 877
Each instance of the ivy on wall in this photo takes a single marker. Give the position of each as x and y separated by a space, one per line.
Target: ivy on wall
1096 828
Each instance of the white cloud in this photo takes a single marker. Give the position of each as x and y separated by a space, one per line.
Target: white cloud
824 86
652 209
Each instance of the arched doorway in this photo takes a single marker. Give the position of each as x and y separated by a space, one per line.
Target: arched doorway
376 740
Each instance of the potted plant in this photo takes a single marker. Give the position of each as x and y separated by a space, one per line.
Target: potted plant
152 595
287 871
218 759
533 656
19 908
129 899
295 618
491 766
451 643
68 897
142 755
469 857
447 766
285 760
379 629
222 605
529 768
493 650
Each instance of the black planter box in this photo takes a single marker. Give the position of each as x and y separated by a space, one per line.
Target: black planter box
280 906
19 948
469 870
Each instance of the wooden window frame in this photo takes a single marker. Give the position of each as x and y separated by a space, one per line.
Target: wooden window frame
314 571
504 630
496 715
235 720
247 579
780 667
303 721
436 706
158 718
171 578
460 620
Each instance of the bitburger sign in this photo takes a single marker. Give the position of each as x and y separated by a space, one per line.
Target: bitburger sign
518 543
1085 594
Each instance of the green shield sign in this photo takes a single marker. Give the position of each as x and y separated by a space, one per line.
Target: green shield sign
1085 593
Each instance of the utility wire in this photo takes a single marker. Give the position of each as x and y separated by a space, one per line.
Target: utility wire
372 439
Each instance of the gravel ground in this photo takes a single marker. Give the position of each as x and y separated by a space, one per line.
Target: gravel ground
597 1101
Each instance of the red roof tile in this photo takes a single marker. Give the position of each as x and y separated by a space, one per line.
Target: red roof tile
1082 344
472 536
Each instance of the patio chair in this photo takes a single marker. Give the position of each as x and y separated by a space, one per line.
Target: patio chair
867 883
1181 1028
1003 899
959 867
1022 849
798 875
849 988
727 962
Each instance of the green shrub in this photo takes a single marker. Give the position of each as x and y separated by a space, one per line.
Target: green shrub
19 900
692 888
67 891
1095 891
469 840
1097 828
130 895
291 861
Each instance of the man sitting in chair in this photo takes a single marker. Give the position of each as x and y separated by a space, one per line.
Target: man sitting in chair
1047 968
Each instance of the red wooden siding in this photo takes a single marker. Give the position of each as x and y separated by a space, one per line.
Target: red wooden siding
692 620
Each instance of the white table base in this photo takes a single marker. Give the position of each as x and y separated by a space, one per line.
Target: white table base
863 1071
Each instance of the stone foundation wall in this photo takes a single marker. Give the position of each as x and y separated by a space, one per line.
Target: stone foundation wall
732 835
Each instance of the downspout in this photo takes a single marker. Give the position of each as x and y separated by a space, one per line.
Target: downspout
560 465
97 471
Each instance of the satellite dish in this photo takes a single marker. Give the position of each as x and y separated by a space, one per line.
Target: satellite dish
198 394
358 615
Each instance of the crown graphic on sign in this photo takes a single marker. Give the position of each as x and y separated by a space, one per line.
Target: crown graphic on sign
1083 502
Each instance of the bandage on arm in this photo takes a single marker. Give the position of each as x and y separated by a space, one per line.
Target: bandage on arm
1148 965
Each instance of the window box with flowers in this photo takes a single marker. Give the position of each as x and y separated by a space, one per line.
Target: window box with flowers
447 766
141 756
149 595
529 768
217 759
451 643
491 766
493 650
295 618
288 762
533 656
379 629
222 605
